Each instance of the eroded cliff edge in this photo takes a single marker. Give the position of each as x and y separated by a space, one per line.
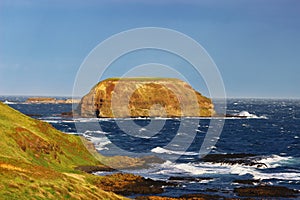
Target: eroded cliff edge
144 97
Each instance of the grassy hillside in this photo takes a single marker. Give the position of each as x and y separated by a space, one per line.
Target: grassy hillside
37 161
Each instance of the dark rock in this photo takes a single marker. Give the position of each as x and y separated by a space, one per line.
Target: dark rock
92 169
33 115
128 184
188 179
247 181
185 197
67 114
211 190
266 191
221 157
201 196
232 159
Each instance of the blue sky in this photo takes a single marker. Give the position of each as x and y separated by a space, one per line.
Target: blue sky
255 44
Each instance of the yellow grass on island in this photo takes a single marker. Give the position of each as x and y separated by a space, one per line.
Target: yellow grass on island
144 97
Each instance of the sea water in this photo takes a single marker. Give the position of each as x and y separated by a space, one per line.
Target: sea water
267 128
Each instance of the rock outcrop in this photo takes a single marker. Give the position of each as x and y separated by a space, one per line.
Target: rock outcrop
50 100
144 97
41 100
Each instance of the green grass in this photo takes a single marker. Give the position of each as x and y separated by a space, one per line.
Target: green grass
38 161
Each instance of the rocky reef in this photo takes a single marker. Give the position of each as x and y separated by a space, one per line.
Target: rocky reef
50 100
144 97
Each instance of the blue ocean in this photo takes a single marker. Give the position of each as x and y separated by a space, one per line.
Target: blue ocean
264 141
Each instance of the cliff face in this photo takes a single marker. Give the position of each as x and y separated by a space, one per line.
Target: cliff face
144 97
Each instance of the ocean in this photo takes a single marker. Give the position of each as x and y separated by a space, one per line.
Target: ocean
263 144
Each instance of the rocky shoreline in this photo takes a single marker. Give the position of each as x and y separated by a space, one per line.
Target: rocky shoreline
147 189
50 164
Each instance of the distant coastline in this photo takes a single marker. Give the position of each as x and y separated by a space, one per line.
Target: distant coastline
50 100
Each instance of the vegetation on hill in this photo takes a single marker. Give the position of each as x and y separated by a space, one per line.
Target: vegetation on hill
38 162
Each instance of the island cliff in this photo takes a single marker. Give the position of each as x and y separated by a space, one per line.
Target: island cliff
144 97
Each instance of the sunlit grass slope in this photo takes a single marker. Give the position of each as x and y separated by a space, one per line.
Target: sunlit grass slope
37 161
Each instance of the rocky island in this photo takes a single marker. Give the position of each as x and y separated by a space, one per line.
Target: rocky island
50 100
144 97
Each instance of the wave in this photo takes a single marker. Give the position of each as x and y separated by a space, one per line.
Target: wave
88 132
274 161
248 115
100 143
211 169
56 121
9 102
83 120
160 150
52 121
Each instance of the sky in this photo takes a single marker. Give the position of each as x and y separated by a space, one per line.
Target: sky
255 44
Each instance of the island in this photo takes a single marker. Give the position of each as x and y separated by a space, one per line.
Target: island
50 100
144 97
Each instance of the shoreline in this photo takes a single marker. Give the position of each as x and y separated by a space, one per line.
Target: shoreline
219 190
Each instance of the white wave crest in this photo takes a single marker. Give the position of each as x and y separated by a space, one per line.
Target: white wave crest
206 168
9 102
160 150
250 116
83 120
100 143
95 132
275 161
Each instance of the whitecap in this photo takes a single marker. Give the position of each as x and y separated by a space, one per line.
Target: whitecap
160 150
95 132
100 143
142 129
274 161
83 120
206 168
9 102
250 116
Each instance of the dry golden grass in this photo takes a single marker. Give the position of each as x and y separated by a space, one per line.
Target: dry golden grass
11 167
